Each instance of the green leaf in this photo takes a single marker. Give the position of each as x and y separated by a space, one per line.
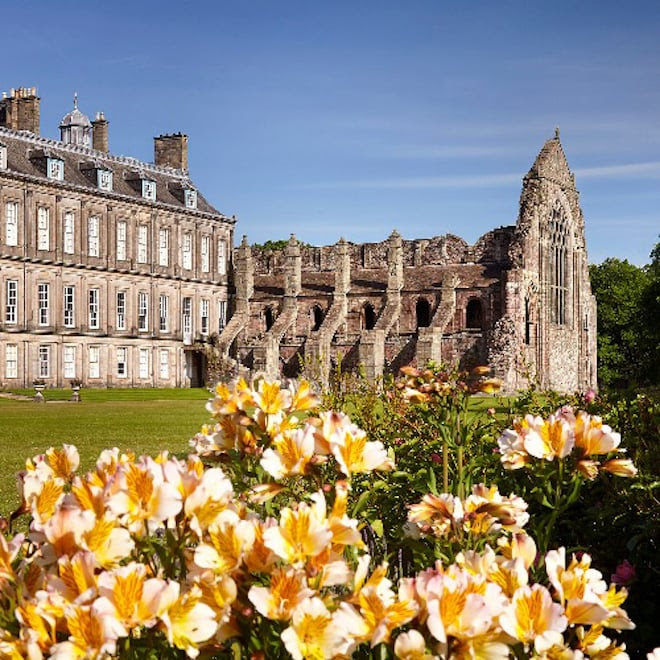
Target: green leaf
432 484
377 526
361 503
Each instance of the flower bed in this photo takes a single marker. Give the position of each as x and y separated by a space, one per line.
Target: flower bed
267 542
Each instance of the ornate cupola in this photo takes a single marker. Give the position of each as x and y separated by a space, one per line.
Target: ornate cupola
76 127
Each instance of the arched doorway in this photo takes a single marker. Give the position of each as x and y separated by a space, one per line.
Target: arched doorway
423 313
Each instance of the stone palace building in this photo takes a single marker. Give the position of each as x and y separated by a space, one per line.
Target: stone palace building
110 268
116 272
519 299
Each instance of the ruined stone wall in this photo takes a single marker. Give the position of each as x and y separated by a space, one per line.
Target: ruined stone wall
401 301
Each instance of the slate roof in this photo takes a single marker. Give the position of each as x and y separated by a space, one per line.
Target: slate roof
25 158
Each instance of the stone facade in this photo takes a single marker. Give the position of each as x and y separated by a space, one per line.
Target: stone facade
519 299
111 269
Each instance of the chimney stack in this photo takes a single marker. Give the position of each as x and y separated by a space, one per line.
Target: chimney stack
20 111
171 151
100 133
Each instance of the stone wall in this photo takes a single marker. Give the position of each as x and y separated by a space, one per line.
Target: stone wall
405 301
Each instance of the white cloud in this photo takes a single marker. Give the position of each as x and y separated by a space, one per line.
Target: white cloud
628 169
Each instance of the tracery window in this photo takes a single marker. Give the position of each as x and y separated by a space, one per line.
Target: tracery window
558 265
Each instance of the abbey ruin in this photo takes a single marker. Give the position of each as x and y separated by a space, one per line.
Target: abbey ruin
519 299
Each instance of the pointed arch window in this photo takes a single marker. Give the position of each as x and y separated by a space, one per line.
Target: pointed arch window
558 265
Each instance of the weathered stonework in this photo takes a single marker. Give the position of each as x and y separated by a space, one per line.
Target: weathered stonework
518 299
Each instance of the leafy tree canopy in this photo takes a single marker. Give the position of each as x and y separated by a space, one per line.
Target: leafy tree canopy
628 300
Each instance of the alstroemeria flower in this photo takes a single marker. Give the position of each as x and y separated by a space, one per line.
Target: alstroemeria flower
108 542
458 604
290 453
512 450
287 589
594 437
75 579
411 645
439 512
92 635
548 439
303 398
532 618
65 530
129 596
143 497
301 533
577 587
185 620
354 454
313 632
621 467
230 539
212 496
377 609
64 462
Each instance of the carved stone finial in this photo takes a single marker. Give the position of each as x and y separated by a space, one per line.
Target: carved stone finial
395 234
75 100
556 132
244 242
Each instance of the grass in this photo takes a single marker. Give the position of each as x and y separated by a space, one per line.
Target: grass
142 421
145 421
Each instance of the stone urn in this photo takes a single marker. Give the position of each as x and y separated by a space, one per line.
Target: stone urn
38 392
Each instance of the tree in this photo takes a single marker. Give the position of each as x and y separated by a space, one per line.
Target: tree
623 349
650 316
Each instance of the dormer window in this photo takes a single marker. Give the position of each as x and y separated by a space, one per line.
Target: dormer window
104 179
3 157
190 198
149 190
55 169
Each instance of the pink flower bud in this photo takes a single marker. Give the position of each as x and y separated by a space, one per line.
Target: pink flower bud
589 395
625 573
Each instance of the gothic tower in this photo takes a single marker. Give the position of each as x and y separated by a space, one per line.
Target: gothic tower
548 301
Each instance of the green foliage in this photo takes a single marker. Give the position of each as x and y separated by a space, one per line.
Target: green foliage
275 245
628 300
619 288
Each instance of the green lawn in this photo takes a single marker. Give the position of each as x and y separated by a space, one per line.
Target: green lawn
143 421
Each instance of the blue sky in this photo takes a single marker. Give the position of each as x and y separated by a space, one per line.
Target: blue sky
341 118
